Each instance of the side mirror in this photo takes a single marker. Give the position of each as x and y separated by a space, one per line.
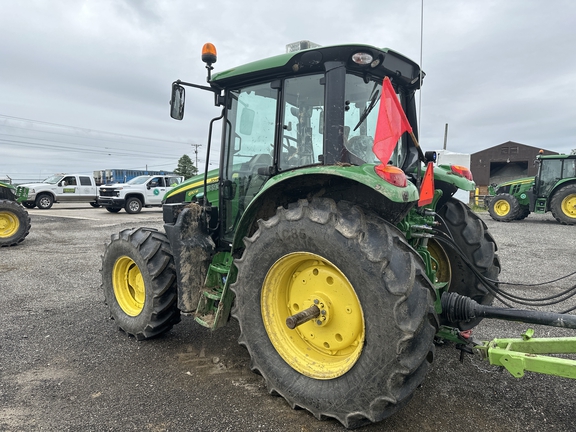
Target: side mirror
177 102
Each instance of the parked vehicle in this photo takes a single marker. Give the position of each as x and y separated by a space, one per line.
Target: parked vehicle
113 176
141 191
553 189
60 188
14 219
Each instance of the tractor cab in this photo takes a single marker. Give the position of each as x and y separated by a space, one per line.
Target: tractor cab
297 114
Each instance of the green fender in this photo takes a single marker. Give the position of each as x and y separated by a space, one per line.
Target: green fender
293 185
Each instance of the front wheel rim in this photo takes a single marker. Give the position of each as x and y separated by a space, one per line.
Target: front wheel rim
9 224
129 287
569 206
328 346
501 207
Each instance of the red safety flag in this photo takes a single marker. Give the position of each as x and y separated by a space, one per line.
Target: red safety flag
391 124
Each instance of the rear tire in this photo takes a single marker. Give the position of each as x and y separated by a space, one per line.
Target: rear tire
14 223
139 282
504 207
471 235
563 205
363 362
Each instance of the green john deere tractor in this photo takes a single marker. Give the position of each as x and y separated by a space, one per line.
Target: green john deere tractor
14 219
339 274
553 189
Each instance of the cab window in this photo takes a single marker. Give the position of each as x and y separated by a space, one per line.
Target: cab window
303 122
249 147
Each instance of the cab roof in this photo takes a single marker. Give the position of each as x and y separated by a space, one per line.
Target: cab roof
386 62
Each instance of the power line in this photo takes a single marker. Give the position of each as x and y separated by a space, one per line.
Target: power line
85 129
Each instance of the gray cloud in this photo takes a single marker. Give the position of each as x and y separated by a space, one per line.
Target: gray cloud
98 73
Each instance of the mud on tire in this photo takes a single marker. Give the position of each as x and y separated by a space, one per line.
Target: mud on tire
139 282
367 259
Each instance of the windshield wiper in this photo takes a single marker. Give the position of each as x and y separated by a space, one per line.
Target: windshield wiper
374 98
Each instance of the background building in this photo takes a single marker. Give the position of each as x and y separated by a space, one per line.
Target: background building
506 161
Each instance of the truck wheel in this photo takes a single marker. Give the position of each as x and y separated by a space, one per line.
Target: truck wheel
139 282
14 223
29 204
563 205
113 209
133 205
504 207
44 201
363 356
471 235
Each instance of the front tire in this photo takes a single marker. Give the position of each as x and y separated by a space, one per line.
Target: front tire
563 205
362 358
29 204
139 282
504 207
471 235
14 223
44 201
113 209
133 205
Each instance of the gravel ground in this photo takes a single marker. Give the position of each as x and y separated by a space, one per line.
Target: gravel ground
64 366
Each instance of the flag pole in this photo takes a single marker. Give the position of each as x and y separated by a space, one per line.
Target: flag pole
420 153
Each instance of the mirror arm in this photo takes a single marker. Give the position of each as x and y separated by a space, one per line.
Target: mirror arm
196 86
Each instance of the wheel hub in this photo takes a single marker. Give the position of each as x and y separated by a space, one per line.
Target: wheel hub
569 205
128 286
501 207
329 344
9 224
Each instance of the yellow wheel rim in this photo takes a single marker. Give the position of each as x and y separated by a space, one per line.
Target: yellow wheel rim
501 207
9 224
569 205
128 286
440 262
329 345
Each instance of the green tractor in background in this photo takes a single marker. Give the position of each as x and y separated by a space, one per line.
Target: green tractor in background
553 189
14 219
340 276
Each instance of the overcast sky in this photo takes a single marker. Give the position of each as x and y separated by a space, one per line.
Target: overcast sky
85 85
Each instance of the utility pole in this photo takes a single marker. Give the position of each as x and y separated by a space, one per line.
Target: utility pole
196 151
445 135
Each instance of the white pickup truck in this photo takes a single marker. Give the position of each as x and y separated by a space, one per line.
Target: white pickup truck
141 191
61 188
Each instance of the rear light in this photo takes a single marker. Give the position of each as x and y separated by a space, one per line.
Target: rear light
462 171
391 174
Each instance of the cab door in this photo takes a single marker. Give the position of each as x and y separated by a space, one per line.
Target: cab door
155 190
248 156
67 189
